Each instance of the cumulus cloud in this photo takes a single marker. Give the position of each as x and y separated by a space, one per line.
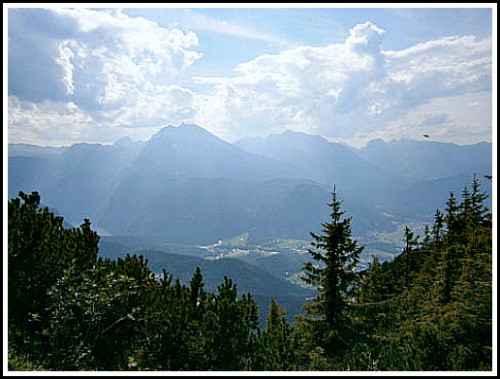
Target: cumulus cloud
135 49
46 122
64 61
34 73
366 37
57 123
157 105
118 69
347 89
445 67
294 89
127 66
305 88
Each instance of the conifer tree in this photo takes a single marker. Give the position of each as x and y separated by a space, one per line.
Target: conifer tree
40 250
196 285
410 243
336 254
438 227
274 350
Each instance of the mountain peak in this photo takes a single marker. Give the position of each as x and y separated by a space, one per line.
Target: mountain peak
291 133
181 130
183 127
297 137
124 142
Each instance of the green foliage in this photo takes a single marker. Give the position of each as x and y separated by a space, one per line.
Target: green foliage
441 319
275 351
40 250
336 254
95 318
69 310
22 363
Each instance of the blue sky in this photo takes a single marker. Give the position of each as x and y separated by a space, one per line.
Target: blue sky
348 74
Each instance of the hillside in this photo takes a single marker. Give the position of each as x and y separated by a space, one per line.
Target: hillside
249 278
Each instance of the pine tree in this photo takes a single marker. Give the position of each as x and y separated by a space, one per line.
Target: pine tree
410 243
274 350
196 285
40 251
336 254
231 323
438 228
474 211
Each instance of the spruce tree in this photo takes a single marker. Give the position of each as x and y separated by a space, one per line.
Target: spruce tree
274 342
196 286
410 243
336 254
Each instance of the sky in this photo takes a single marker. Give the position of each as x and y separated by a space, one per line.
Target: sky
348 74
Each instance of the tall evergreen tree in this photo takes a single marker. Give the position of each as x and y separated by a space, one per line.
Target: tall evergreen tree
336 254
274 350
410 243
196 286
437 229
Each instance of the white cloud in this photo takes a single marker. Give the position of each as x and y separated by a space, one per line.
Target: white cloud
348 89
112 70
146 46
56 123
122 70
461 118
64 61
163 104
305 88
47 122
366 36
115 49
457 64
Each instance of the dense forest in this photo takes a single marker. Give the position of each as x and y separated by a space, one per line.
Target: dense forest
428 309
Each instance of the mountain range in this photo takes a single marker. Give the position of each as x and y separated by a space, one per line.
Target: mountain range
186 185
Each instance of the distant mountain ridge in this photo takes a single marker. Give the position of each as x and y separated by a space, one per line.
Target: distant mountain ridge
187 185
75 179
327 163
428 160
191 151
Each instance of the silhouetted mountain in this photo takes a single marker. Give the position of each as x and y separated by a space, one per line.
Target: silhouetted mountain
405 178
75 179
25 150
425 160
186 187
328 163
188 151
428 195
